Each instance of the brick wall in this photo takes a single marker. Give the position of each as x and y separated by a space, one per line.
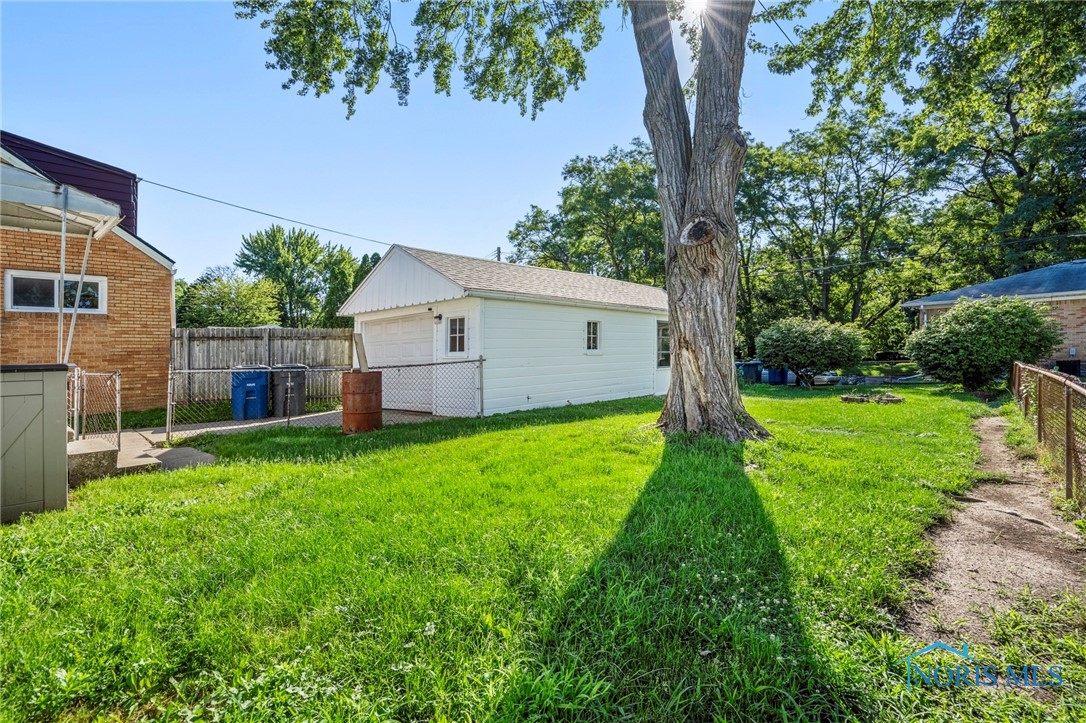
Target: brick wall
1072 317
133 336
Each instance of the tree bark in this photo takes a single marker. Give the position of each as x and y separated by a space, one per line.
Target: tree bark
697 181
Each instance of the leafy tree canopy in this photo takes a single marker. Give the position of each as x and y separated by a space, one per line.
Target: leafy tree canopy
525 52
293 261
607 221
997 88
946 55
341 273
223 297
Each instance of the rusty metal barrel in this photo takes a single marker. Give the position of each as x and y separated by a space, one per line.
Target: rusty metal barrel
361 401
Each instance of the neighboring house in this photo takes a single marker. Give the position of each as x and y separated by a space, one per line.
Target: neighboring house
548 337
1062 288
126 307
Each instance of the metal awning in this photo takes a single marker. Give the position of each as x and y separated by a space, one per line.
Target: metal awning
32 201
29 201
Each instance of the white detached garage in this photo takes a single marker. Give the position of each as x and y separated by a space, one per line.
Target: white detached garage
547 337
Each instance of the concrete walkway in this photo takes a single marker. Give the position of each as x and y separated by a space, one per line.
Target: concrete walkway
142 450
139 453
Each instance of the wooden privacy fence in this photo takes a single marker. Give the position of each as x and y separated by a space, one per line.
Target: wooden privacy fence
1056 405
227 347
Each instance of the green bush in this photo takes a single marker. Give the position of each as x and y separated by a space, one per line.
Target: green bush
809 346
887 334
976 342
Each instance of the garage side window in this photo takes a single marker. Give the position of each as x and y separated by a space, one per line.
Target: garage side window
663 344
457 337
37 291
592 336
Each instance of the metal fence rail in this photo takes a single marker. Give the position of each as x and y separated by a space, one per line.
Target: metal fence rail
444 389
1055 404
201 400
94 405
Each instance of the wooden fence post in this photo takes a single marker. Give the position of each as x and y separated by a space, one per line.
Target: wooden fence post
1040 408
1068 442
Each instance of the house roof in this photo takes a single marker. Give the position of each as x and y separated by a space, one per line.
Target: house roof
500 277
97 178
1068 278
15 165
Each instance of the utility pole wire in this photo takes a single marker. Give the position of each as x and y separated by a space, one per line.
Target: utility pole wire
265 213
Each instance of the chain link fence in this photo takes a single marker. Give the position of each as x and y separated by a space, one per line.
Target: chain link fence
229 400
1055 404
94 405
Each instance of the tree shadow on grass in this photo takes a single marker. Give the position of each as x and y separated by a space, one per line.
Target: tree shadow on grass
326 444
687 616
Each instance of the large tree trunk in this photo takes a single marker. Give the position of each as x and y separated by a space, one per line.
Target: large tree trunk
697 186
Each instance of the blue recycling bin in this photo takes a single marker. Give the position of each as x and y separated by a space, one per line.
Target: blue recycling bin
249 392
778 377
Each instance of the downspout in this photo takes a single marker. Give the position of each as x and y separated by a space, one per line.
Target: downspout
60 291
78 296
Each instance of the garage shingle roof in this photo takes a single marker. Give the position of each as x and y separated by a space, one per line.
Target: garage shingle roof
1066 278
505 278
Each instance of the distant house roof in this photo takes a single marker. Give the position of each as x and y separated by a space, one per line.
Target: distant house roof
100 179
499 277
1066 279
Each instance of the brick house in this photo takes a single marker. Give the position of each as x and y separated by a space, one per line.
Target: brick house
1062 288
125 313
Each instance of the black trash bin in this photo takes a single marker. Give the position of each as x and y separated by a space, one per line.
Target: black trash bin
288 390
752 372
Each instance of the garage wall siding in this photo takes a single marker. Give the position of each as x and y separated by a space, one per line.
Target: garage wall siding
402 281
536 357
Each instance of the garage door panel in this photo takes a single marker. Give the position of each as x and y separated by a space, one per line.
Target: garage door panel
403 341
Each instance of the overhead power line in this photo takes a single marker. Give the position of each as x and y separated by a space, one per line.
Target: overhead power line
765 272
265 213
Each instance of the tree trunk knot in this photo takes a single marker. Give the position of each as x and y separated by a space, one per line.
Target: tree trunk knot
698 233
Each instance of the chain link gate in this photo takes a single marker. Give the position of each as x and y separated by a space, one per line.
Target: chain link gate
94 405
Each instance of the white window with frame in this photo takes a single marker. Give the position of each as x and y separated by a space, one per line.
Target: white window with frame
663 344
592 338
38 291
456 338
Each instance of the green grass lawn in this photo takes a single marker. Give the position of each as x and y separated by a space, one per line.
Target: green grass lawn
555 565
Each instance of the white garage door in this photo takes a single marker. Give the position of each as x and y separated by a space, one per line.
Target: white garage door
403 341
406 340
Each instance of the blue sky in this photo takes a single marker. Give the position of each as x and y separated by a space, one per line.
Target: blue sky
178 93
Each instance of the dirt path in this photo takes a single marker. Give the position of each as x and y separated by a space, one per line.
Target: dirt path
1004 537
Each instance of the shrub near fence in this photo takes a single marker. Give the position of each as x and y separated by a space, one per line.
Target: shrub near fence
1055 404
